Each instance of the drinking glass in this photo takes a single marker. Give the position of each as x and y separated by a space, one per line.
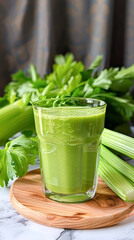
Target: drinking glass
69 132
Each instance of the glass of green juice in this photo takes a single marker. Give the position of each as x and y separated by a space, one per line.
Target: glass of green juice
69 133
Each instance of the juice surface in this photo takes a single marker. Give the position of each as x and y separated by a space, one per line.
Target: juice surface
69 142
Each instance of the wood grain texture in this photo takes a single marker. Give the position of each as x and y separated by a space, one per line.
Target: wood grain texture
104 210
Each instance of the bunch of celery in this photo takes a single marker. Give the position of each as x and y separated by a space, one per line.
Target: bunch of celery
68 78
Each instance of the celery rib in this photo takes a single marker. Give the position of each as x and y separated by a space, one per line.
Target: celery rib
10 111
116 181
117 134
116 162
24 120
118 142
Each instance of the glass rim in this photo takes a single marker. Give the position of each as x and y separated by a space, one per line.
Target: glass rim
89 100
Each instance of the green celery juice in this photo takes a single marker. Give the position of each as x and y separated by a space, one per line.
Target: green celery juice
69 146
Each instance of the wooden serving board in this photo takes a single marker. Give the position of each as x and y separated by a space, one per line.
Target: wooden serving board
104 210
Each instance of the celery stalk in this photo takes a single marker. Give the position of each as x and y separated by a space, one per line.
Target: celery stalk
116 181
14 119
116 162
49 87
119 142
10 111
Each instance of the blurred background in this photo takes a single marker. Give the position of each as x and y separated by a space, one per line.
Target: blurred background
33 31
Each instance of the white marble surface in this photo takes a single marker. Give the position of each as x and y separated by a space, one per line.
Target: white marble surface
13 226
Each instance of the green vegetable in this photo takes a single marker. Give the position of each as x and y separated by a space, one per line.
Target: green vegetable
21 84
117 174
15 118
116 162
116 181
119 110
15 158
97 62
119 142
105 78
126 73
70 78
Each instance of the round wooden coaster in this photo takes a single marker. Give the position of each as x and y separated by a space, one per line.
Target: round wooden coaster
104 210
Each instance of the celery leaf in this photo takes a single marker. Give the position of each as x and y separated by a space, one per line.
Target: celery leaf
126 73
105 78
97 62
16 157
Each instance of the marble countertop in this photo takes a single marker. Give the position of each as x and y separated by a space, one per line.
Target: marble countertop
13 226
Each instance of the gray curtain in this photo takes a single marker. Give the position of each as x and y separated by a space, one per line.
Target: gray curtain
33 31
